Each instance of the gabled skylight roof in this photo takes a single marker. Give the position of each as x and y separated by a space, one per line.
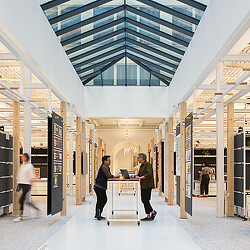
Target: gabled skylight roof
98 34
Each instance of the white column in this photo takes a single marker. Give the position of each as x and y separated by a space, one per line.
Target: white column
26 79
166 162
220 158
219 76
220 144
27 125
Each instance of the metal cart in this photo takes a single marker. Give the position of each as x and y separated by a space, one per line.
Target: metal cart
112 210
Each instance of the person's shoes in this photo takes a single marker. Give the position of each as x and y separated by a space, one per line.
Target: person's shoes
200 196
18 219
206 195
146 219
153 215
102 218
98 214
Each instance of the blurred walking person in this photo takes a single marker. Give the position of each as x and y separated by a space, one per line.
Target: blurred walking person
25 177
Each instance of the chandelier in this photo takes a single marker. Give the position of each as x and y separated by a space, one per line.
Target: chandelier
128 149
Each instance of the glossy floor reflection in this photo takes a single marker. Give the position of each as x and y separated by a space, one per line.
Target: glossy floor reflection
83 232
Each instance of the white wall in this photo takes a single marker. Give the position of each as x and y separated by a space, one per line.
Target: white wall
222 25
113 137
125 101
26 28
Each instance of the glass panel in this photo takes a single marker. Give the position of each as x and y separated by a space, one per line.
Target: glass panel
110 56
159 56
107 77
98 11
95 46
157 37
144 77
131 75
155 81
156 47
69 22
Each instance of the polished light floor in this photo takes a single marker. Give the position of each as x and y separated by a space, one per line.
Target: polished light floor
79 230
82 232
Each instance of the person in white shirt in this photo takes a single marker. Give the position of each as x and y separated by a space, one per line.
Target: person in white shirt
25 176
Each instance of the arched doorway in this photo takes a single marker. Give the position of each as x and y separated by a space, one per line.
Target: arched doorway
124 156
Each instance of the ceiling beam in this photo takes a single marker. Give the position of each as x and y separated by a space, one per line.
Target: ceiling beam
154 50
160 21
157 32
52 4
93 31
223 87
236 58
156 42
84 77
195 4
226 91
97 49
7 56
77 11
95 41
152 64
28 86
89 20
150 56
98 64
96 58
212 112
170 11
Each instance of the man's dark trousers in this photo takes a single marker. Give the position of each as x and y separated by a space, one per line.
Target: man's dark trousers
101 198
145 198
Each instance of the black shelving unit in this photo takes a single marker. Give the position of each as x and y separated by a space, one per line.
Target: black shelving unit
162 166
6 171
90 166
156 166
39 159
210 158
241 173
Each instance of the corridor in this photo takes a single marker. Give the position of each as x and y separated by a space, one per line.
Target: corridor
82 231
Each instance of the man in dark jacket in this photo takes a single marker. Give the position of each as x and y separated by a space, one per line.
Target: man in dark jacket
100 186
146 177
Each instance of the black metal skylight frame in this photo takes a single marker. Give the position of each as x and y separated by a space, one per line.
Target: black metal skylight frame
136 55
